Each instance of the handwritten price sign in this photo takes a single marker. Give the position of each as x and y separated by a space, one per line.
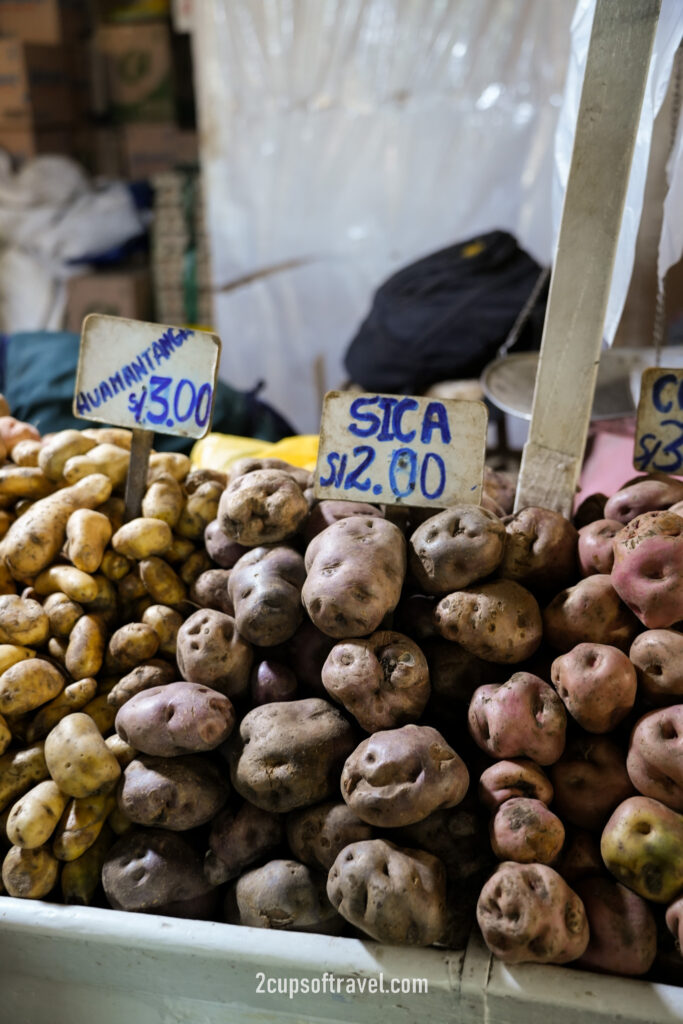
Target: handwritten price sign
396 449
659 427
146 376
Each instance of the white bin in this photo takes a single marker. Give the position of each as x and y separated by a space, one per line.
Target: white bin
74 965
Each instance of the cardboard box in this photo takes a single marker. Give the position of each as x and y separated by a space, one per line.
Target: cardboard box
149 149
30 141
138 66
49 22
34 87
116 293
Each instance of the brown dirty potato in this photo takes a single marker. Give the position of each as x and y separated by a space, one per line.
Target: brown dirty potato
177 718
222 549
288 754
513 777
589 780
457 836
526 831
455 548
153 673
149 868
22 621
394 895
658 658
176 793
540 548
286 895
130 645
528 914
240 839
523 717
382 681
210 590
589 612
211 652
356 569
498 621
265 590
324 513
623 930
250 464
263 507
399 776
316 835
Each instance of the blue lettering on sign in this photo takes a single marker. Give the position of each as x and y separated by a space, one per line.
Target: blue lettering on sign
389 426
657 388
373 421
436 418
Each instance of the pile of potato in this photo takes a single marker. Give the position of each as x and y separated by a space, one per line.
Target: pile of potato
247 706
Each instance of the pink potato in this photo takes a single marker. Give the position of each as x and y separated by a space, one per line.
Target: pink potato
523 717
591 508
498 621
526 831
176 718
644 495
648 568
272 681
514 777
590 779
528 914
658 657
540 548
596 553
623 931
597 684
591 612
655 756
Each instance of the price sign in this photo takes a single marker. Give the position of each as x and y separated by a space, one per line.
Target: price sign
659 426
146 376
400 450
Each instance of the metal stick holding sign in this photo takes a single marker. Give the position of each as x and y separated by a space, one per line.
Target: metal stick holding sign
146 377
400 450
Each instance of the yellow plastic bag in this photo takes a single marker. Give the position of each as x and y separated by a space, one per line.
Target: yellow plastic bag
219 451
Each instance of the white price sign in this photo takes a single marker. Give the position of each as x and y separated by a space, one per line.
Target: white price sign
659 427
146 376
400 450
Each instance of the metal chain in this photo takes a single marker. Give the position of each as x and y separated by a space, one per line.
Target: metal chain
659 325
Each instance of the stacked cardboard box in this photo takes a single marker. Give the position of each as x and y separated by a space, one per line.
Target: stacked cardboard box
42 59
180 254
125 292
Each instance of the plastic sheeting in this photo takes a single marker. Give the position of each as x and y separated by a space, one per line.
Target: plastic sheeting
342 139
50 215
667 41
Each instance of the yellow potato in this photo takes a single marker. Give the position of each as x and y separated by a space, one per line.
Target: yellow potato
85 653
73 697
35 815
174 463
115 511
119 822
164 500
103 458
58 449
67 579
81 877
57 647
12 431
115 566
5 735
122 751
19 770
33 541
27 685
6 520
10 654
81 824
77 757
131 587
25 453
29 874
129 645
110 435
142 537
62 612
105 605
87 532
161 581
200 509
179 551
101 712
196 564
7 584
141 606
22 621
165 622
24 482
